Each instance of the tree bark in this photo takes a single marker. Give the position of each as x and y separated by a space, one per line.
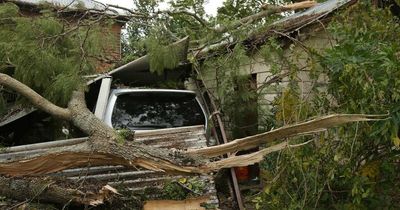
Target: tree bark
54 191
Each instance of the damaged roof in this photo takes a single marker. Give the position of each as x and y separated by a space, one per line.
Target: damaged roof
300 20
316 12
138 69
287 24
74 5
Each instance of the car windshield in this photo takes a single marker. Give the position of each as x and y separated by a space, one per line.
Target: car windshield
155 110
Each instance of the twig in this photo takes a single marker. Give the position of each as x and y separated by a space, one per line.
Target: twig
328 34
17 205
299 145
82 44
66 6
31 199
352 144
294 40
66 205
274 79
196 17
107 7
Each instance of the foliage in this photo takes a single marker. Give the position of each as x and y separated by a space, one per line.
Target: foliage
183 188
175 189
236 9
184 18
122 135
236 91
46 53
233 87
161 56
352 167
160 28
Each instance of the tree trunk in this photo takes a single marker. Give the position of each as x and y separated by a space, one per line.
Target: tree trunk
54 191
102 148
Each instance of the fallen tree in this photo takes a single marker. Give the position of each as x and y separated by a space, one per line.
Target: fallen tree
103 147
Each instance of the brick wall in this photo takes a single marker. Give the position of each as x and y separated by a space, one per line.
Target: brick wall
112 50
111 34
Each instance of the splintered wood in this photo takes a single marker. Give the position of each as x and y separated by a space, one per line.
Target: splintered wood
188 204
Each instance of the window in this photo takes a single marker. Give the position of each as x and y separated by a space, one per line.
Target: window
155 110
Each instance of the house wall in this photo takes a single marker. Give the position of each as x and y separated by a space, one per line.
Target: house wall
314 37
112 52
318 40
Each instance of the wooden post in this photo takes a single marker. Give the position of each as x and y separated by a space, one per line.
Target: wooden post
225 140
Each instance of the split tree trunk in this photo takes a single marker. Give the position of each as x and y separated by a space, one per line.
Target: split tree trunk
102 147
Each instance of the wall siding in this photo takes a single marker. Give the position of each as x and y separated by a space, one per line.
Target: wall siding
256 65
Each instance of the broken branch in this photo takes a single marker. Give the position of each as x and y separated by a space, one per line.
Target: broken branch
284 132
53 191
268 10
252 158
36 99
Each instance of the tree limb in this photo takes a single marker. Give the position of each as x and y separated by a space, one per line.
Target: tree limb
294 6
133 13
284 132
146 16
252 158
266 12
36 99
196 17
53 191
98 153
